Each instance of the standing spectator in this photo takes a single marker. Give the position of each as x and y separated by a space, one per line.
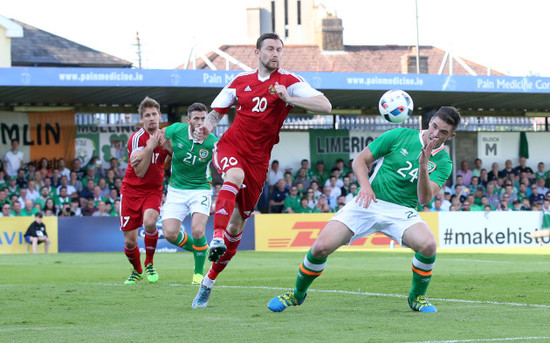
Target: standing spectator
466 173
277 199
523 168
13 159
43 168
275 174
292 201
77 168
478 165
36 234
63 170
494 174
320 174
303 178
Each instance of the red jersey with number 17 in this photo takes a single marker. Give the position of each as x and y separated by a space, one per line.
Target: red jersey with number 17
260 111
133 185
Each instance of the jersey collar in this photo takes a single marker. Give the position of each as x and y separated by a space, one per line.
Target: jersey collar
435 150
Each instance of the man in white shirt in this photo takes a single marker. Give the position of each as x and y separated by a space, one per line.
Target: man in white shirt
13 159
274 174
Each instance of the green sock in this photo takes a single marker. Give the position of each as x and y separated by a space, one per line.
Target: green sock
422 273
309 270
199 252
184 241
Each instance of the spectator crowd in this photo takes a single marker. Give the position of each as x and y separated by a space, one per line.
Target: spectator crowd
26 189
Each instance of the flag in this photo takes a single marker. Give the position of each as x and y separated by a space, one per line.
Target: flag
523 145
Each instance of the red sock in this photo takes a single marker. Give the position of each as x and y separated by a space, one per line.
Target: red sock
151 239
225 204
232 243
134 257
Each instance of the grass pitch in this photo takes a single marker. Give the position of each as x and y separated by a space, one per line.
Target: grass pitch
361 297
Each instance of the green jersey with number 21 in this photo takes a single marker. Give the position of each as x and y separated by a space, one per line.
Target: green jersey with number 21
190 160
395 176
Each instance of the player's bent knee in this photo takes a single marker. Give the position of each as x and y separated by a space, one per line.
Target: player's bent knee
428 248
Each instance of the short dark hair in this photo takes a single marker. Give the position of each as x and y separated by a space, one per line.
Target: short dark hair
449 115
38 215
196 107
148 102
269 35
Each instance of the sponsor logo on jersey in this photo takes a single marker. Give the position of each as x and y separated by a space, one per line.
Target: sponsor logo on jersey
404 152
180 145
431 166
248 89
272 90
203 153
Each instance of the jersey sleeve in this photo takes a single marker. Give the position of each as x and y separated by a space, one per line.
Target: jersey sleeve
302 89
170 130
383 144
225 99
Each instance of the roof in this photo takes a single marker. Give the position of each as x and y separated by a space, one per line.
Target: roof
38 48
354 58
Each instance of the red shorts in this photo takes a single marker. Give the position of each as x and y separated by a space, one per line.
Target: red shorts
227 157
132 209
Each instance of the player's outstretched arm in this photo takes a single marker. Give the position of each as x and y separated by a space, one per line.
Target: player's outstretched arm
210 122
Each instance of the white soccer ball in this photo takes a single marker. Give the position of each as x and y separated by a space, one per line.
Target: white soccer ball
396 106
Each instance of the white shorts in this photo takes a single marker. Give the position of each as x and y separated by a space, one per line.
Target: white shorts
388 218
179 203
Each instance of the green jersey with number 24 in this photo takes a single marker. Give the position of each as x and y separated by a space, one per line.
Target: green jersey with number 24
395 176
190 160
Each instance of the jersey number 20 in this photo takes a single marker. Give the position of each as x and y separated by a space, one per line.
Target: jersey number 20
261 104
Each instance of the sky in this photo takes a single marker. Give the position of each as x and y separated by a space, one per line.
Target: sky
509 36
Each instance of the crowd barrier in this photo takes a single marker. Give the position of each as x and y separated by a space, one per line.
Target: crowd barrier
284 232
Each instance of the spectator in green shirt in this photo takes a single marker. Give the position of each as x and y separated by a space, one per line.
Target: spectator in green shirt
29 209
292 201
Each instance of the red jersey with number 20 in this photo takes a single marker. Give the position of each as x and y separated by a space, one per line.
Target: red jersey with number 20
133 185
260 111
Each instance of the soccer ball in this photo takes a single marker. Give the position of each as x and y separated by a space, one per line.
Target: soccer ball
396 106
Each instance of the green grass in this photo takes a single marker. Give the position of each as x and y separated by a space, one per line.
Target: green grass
359 298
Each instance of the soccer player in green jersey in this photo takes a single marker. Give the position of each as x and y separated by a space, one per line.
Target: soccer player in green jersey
412 166
190 187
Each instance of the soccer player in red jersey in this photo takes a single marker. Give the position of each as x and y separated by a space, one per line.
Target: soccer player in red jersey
264 96
141 191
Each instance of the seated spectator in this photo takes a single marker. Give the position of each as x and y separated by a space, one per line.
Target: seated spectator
110 178
465 172
50 205
541 171
303 207
474 185
336 173
342 169
344 190
525 205
523 168
546 205
289 180
483 178
535 195
88 191
310 195
89 209
460 192
304 164
508 171
63 170
541 186
320 174
90 175
75 207
29 209
459 182
478 165
118 184
523 192
6 210
3 183
322 206
437 206
65 211
504 206
4 197
38 179
331 201
101 210
97 165
465 206
64 182
510 190
336 190
115 166
292 201
33 191
113 196
453 208
77 168
75 182
105 191
55 178
488 208
352 191
277 198
516 205
485 204
22 195
12 188
455 201
300 187
62 198
15 209
274 174
29 172
21 179
340 203
316 191
115 210
37 234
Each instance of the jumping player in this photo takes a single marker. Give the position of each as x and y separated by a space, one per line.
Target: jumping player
264 96
141 191
412 166
190 187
